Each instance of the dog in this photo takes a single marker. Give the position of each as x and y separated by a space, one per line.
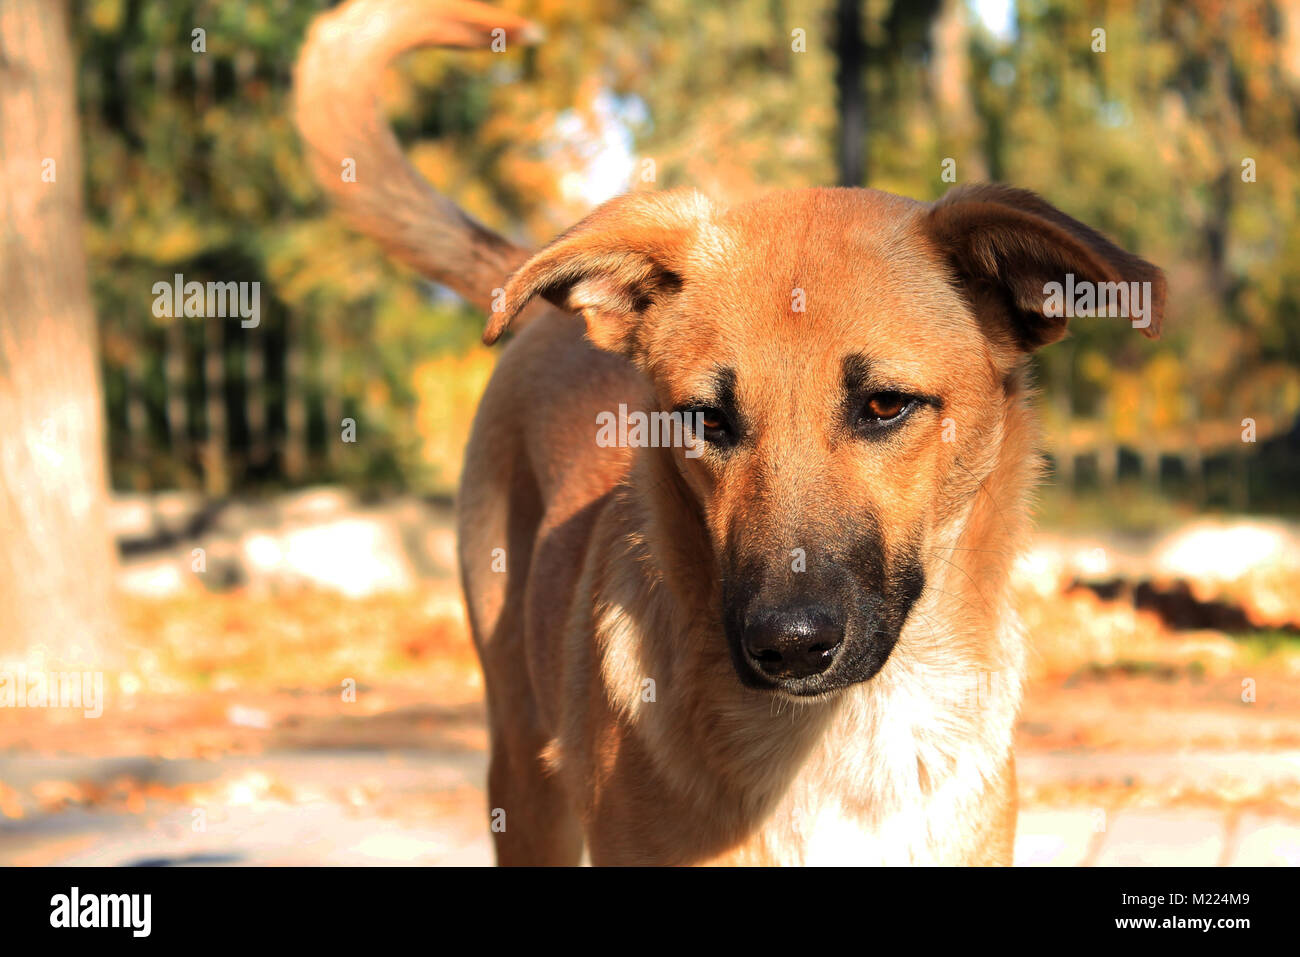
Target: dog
788 638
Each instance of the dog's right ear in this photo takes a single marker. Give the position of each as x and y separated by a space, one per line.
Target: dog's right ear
613 268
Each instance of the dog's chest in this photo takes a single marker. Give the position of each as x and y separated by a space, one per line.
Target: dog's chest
826 829
861 799
900 829
831 835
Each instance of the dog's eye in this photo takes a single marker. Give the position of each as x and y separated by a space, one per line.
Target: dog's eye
712 424
882 408
886 405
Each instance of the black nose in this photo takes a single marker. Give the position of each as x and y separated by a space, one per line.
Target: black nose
793 642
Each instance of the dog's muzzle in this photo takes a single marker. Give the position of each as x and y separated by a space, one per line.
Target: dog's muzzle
791 644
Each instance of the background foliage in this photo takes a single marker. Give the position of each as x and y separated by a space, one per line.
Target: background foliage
193 167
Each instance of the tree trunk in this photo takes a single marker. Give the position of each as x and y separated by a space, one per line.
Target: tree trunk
56 557
950 78
851 57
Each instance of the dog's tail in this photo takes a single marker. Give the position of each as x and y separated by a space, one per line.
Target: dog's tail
356 157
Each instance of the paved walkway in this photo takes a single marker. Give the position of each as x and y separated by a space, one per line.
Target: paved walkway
354 808
421 807
1137 836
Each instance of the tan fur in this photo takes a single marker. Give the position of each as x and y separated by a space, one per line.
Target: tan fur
338 117
614 556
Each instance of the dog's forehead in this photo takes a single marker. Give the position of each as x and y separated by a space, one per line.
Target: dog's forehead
807 220
802 208
850 251
814 275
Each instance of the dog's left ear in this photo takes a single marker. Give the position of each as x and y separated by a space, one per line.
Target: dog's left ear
613 268
1006 245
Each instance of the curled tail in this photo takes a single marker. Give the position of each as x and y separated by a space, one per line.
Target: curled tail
338 70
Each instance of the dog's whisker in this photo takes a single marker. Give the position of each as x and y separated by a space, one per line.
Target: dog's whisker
955 548
974 584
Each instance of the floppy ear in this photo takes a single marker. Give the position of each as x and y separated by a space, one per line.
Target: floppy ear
1006 245
613 268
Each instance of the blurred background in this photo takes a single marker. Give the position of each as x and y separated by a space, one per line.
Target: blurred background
271 600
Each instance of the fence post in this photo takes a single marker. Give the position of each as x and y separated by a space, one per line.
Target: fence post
216 477
329 377
295 405
137 419
255 394
176 408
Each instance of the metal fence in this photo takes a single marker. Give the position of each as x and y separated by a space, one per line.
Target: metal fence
210 405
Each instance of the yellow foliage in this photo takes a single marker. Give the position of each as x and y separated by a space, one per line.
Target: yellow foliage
178 240
105 15
447 390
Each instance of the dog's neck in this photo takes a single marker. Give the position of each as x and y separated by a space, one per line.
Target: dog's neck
931 728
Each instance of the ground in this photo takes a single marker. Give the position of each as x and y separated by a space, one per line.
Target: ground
307 727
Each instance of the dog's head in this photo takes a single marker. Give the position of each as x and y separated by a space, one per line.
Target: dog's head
846 358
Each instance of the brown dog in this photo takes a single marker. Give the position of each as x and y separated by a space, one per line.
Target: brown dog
786 638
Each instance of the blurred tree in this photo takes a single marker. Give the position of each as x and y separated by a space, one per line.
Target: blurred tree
850 57
197 170
56 559
1173 128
